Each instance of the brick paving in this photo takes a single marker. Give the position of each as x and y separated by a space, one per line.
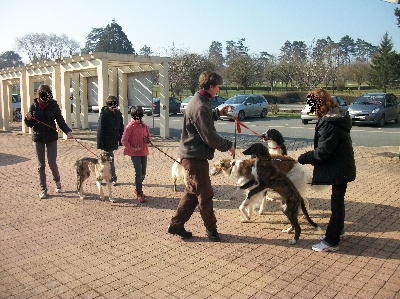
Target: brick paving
64 247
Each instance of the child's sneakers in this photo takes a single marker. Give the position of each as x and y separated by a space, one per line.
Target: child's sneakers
141 197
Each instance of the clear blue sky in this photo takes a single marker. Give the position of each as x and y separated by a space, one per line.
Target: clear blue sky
193 25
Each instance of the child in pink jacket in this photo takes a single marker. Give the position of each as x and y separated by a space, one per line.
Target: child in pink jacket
135 140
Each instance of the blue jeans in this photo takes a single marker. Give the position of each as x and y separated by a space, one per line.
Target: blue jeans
336 222
140 165
40 149
113 174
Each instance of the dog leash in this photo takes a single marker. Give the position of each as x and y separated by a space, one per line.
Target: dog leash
57 130
151 143
238 123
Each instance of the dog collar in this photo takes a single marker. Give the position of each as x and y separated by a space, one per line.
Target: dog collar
278 147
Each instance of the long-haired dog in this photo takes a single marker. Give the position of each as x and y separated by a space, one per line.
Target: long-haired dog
99 168
275 141
240 170
265 175
178 173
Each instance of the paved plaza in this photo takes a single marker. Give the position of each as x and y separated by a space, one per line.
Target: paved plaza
65 247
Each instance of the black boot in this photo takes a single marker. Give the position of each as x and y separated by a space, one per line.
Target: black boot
213 235
180 231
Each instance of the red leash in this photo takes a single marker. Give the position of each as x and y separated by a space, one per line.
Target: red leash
62 132
239 130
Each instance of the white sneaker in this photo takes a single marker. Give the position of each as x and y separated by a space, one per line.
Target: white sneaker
58 187
43 194
342 236
321 246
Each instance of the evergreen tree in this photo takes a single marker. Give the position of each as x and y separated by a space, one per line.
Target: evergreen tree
382 64
92 39
215 54
114 40
10 59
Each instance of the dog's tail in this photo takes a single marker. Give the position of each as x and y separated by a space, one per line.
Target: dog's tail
305 213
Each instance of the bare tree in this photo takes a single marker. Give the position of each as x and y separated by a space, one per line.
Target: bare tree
41 46
244 71
359 72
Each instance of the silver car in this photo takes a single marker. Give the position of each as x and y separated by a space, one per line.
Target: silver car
184 104
245 105
375 108
307 116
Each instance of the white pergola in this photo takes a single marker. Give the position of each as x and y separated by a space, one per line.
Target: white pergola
112 71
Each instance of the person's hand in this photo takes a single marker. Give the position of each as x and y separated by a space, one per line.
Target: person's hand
28 116
69 135
224 110
146 139
232 151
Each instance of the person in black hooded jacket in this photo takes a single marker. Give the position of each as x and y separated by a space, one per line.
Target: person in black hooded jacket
41 116
333 161
110 128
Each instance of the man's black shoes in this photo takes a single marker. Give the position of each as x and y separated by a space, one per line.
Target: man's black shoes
213 235
180 231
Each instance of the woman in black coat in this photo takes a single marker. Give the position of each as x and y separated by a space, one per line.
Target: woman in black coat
110 128
42 117
333 161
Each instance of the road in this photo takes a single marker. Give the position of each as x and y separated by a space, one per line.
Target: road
291 128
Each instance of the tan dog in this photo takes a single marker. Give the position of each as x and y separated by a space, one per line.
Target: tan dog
178 173
100 168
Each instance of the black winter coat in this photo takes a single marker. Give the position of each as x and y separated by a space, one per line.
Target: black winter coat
44 130
333 156
110 128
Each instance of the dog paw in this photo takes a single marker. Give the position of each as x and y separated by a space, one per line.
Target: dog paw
292 241
287 230
82 197
111 200
262 212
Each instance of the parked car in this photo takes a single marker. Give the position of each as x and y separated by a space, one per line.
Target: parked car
174 106
184 104
244 105
16 104
307 116
375 108
215 102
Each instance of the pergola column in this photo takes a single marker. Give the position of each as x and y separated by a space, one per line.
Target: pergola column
164 100
84 101
76 103
4 104
123 95
102 81
65 106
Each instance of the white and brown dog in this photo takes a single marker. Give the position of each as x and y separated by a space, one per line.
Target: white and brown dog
266 176
240 170
100 168
275 141
178 173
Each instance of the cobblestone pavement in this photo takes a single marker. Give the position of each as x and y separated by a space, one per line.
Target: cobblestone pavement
64 247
